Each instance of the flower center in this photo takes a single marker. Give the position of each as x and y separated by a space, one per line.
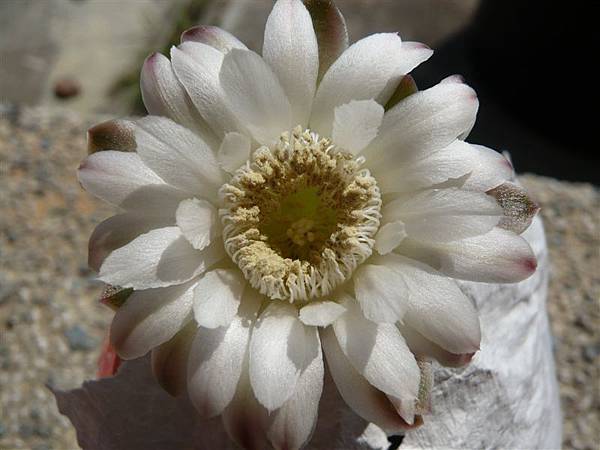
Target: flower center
300 217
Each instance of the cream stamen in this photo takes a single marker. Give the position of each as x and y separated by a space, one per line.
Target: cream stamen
300 217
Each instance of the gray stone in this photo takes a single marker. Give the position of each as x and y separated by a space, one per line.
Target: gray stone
78 339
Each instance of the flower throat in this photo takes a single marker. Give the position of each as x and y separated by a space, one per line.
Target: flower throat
301 216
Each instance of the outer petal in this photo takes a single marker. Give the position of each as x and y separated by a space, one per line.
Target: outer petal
117 231
380 292
159 258
198 221
170 359
444 214
331 32
217 360
217 297
197 67
321 314
113 176
179 156
280 349
519 210
255 95
112 135
293 424
234 151
421 346
499 256
290 48
356 124
422 123
150 317
245 419
482 168
214 36
352 75
371 404
163 95
436 307
378 352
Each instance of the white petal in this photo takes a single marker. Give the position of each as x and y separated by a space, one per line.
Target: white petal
356 124
117 231
234 151
163 95
159 258
321 314
198 221
378 352
255 95
179 156
436 307
422 123
290 48
217 297
217 361
444 214
364 71
214 36
293 423
154 200
369 403
113 176
482 167
389 236
380 293
278 354
170 359
150 317
499 256
197 67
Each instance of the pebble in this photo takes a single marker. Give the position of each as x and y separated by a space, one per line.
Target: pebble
78 339
67 88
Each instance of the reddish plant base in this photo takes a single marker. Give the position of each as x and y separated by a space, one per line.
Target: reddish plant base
109 361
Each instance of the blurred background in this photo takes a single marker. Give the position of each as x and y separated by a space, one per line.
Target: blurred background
67 64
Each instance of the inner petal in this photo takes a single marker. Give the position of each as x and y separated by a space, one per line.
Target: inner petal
300 217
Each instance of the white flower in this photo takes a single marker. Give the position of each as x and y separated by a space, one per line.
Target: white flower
306 202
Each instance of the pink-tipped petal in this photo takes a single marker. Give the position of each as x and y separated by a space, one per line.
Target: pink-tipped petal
366 401
351 76
435 306
330 29
164 95
421 124
499 256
